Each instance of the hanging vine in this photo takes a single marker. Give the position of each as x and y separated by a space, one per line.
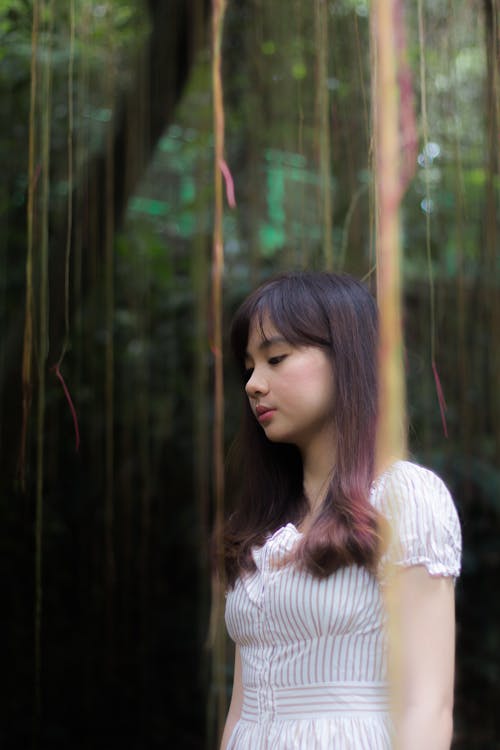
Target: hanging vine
28 342
391 429
391 433
465 414
218 634
69 218
33 173
428 211
109 307
321 40
492 298
47 13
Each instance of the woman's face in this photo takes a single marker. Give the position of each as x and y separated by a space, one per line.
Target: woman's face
290 388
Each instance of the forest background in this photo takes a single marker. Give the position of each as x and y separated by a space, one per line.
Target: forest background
106 290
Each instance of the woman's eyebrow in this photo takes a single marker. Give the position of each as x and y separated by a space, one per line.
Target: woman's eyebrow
267 343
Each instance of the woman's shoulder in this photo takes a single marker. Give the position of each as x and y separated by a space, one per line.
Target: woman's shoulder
422 516
408 482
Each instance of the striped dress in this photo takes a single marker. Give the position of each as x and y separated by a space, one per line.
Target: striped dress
313 651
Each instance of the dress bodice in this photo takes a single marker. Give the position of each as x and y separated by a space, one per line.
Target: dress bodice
313 650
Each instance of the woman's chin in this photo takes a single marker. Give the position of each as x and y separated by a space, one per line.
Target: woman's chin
277 436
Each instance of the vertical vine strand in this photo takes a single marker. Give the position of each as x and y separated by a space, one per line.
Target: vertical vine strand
495 319
109 305
28 324
425 134
80 144
428 209
219 651
391 442
360 56
321 39
464 416
27 359
492 299
373 197
69 220
391 434
300 253
42 349
69 215
199 274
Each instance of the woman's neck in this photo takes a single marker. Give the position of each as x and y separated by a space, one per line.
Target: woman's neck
318 463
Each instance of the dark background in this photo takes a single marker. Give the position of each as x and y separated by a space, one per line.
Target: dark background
123 604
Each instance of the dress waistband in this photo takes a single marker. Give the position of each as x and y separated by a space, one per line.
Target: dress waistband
314 701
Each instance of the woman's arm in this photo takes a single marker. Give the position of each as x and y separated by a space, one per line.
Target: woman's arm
424 620
236 701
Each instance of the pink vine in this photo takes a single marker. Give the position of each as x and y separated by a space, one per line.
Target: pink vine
58 373
228 179
440 395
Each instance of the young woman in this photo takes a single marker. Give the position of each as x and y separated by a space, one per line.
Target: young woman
306 557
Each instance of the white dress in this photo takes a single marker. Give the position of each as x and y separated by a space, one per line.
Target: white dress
313 651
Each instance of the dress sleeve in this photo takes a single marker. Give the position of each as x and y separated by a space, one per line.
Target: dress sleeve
423 524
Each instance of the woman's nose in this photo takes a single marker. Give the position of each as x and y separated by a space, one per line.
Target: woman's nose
256 384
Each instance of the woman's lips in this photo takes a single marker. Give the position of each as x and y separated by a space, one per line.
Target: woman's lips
264 413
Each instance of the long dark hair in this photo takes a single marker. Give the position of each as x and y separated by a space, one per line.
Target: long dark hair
337 313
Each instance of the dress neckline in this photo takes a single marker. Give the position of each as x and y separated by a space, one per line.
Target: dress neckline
286 527
376 483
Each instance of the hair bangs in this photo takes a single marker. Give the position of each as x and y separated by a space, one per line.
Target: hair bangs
288 305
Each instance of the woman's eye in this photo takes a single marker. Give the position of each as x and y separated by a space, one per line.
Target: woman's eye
276 360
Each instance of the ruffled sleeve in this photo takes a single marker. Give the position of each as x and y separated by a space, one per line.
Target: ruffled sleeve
423 524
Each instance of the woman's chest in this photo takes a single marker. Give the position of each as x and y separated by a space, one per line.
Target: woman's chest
286 605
